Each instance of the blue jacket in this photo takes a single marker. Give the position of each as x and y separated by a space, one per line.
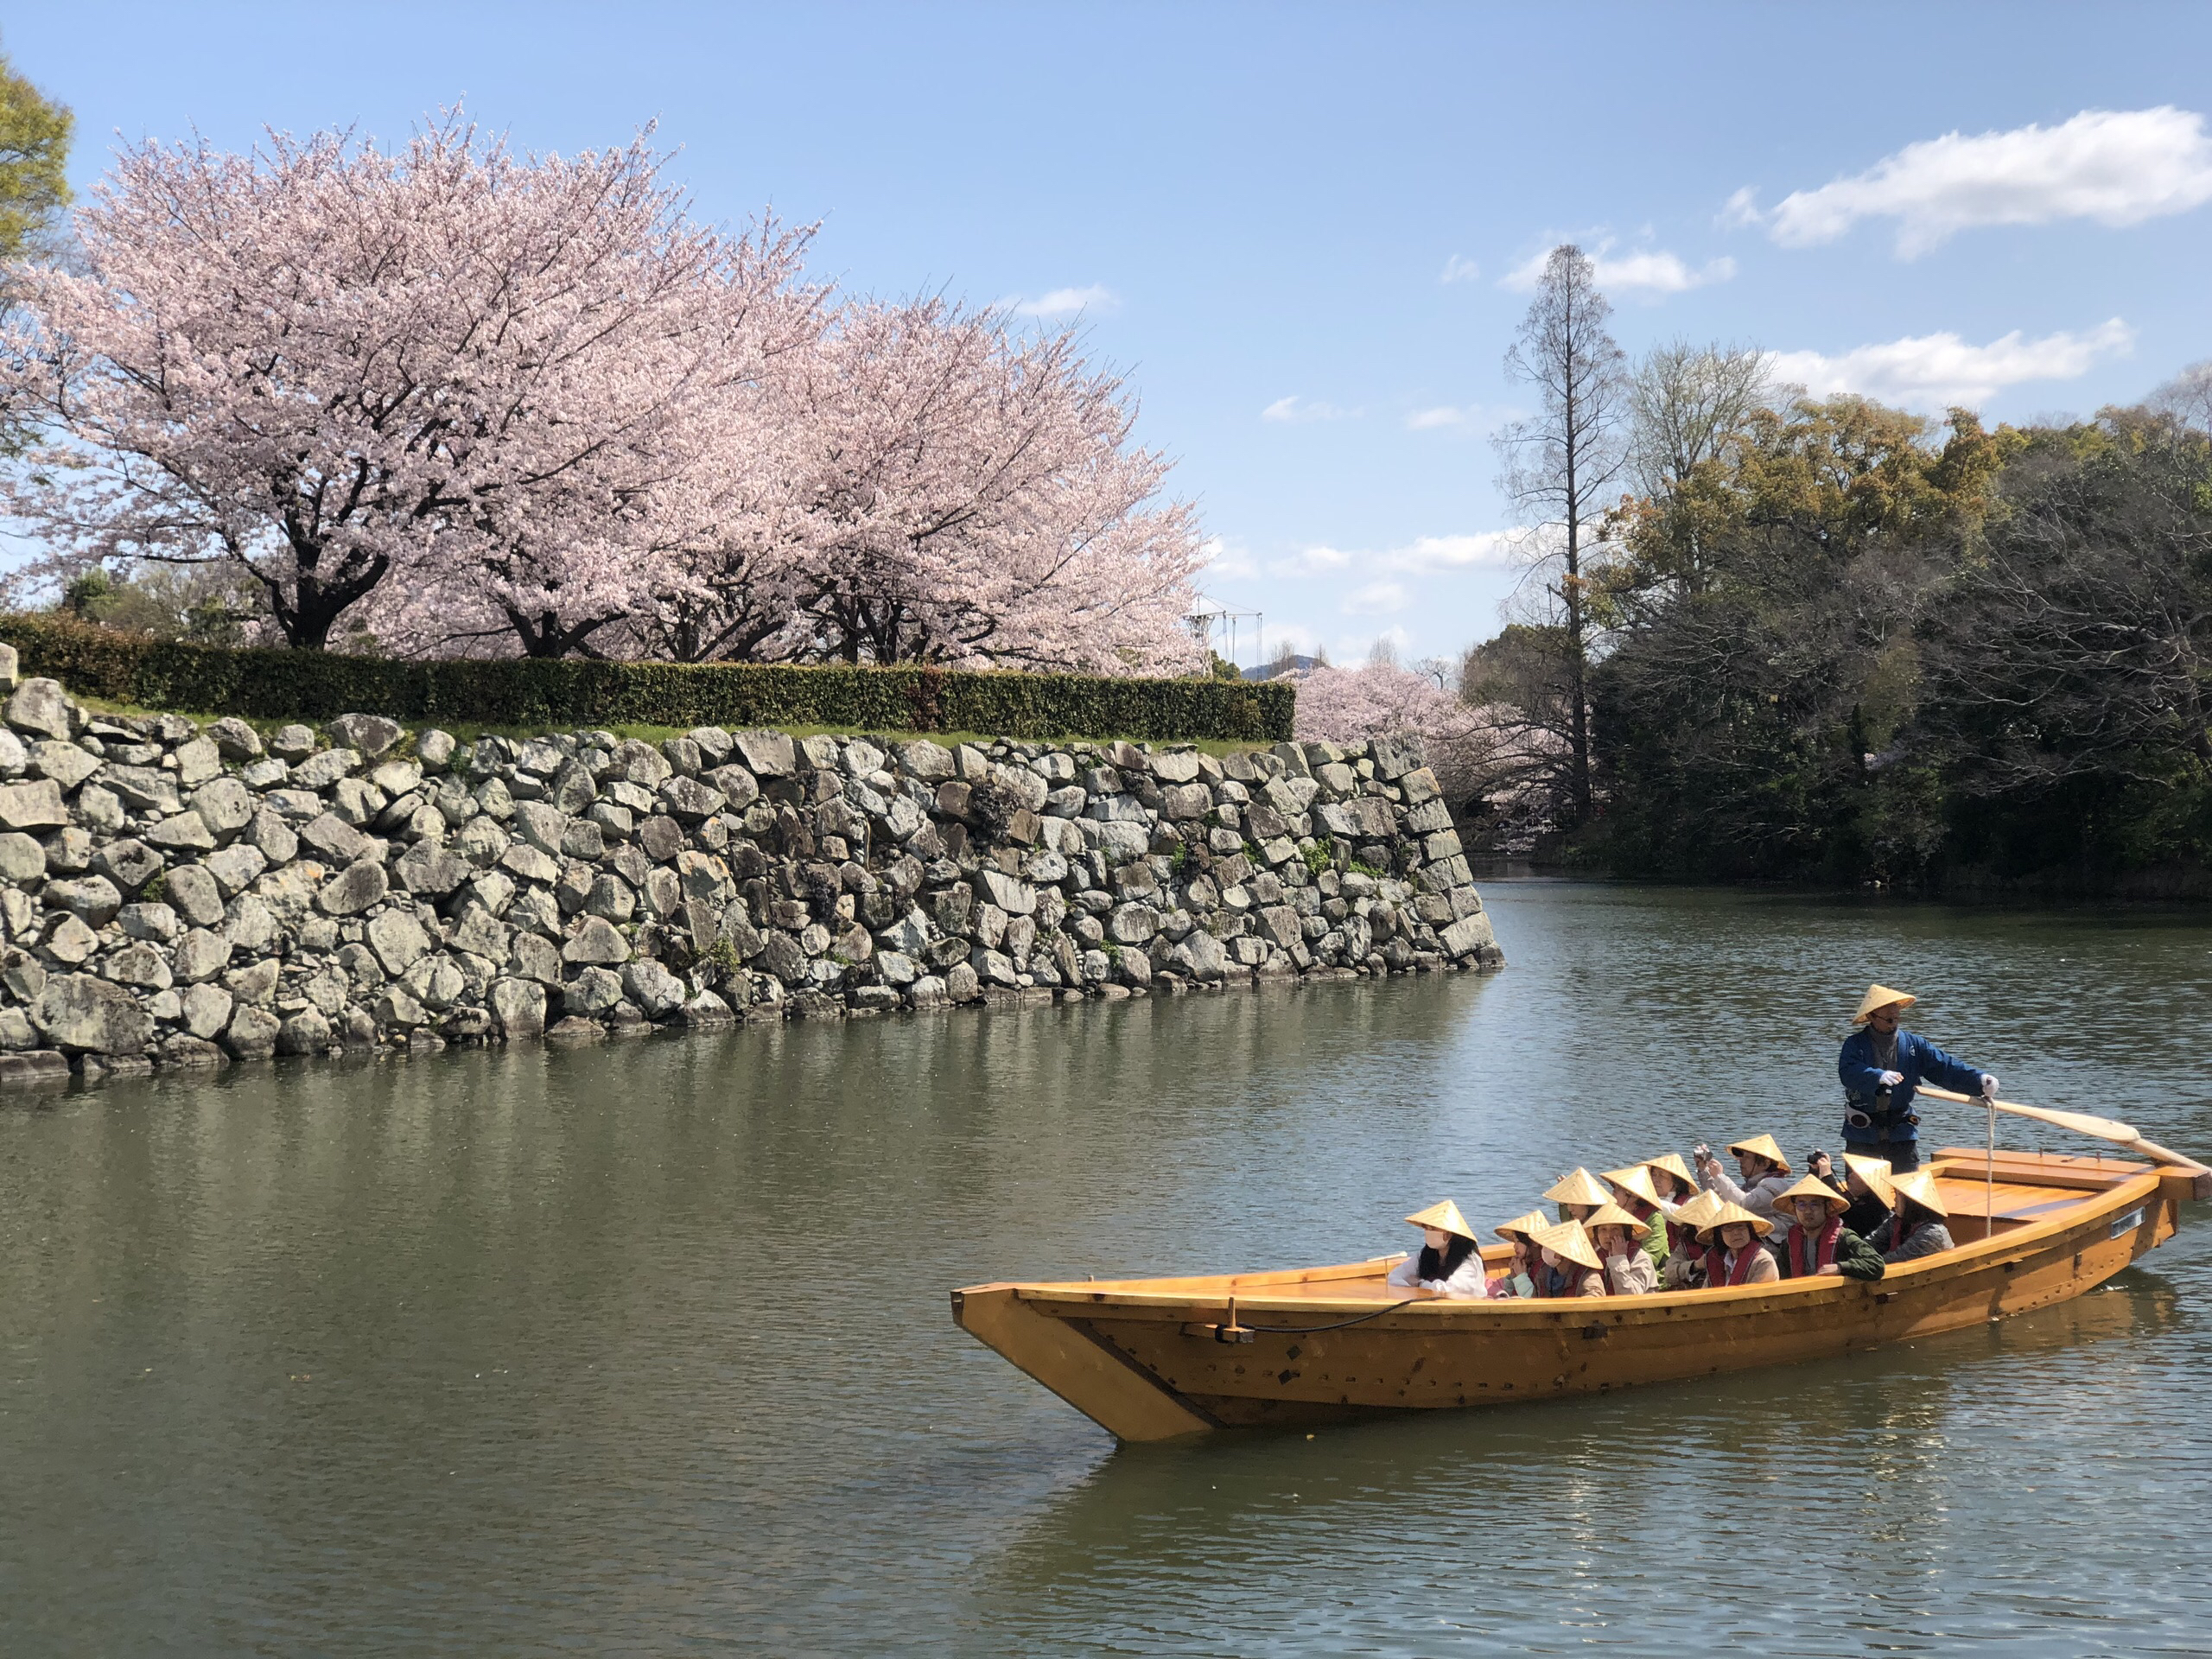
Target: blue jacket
1890 1109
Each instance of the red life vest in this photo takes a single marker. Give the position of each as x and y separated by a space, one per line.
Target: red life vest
1576 1276
1824 1251
1738 1266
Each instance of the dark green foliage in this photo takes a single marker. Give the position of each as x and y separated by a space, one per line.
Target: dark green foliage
315 685
2003 678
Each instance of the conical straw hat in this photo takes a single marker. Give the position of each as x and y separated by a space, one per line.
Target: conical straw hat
1813 1187
1920 1187
1730 1212
1880 996
1637 1179
1673 1163
1569 1242
1611 1215
1875 1172
1522 1226
1580 1187
1445 1215
1695 1211
1762 1146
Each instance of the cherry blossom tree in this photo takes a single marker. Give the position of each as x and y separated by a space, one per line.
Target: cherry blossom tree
442 392
971 497
1381 699
455 401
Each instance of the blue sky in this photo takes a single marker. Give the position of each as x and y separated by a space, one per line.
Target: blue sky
1296 228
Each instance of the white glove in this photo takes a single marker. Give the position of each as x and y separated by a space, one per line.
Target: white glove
1891 1079
1988 1086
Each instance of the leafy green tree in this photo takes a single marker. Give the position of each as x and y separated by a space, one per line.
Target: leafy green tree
34 159
1748 715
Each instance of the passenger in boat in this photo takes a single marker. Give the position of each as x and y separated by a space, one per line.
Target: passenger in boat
1449 1262
1882 1065
1576 1194
1819 1245
1733 1253
1618 1236
1570 1264
1866 1184
1686 1253
1520 1278
1633 1191
1917 1227
1671 1179
1766 1175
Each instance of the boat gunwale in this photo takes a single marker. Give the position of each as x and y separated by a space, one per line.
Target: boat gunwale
1090 1299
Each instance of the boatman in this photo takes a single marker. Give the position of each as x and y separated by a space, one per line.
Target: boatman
1882 1065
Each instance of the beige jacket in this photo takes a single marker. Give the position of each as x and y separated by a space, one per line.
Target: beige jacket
1631 1274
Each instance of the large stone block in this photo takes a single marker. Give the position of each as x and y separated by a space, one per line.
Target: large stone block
129 864
596 941
1186 802
1010 894
82 1014
689 801
652 988
542 826
1396 756
353 889
143 789
33 805
42 708
371 733
592 992
200 955
398 940
518 1007
1468 936
207 1010
66 764
430 871
766 755
183 832
22 858
308 1032
319 772
93 899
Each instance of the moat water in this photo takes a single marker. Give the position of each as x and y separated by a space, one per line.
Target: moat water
645 1349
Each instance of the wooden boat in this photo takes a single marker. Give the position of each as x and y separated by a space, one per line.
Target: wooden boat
1150 1359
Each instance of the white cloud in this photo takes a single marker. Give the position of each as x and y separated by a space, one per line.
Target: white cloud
1655 272
1428 420
1311 562
1430 554
1231 562
1934 371
1635 270
1457 269
1375 599
1067 301
2116 166
1295 408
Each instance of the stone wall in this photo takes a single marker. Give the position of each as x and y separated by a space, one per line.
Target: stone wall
175 896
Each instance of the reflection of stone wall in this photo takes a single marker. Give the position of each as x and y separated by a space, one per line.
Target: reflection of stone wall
183 897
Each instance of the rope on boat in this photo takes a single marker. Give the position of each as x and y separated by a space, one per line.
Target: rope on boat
1311 1330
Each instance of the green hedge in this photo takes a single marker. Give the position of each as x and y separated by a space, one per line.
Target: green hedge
313 685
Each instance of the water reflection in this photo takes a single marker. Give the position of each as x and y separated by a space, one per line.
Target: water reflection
646 1348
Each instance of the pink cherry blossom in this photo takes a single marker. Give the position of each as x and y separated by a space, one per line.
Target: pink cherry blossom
1350 705
451 400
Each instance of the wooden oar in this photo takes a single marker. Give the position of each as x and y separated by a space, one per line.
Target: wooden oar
2100 1128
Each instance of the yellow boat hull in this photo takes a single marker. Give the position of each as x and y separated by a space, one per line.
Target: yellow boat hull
1152 1359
